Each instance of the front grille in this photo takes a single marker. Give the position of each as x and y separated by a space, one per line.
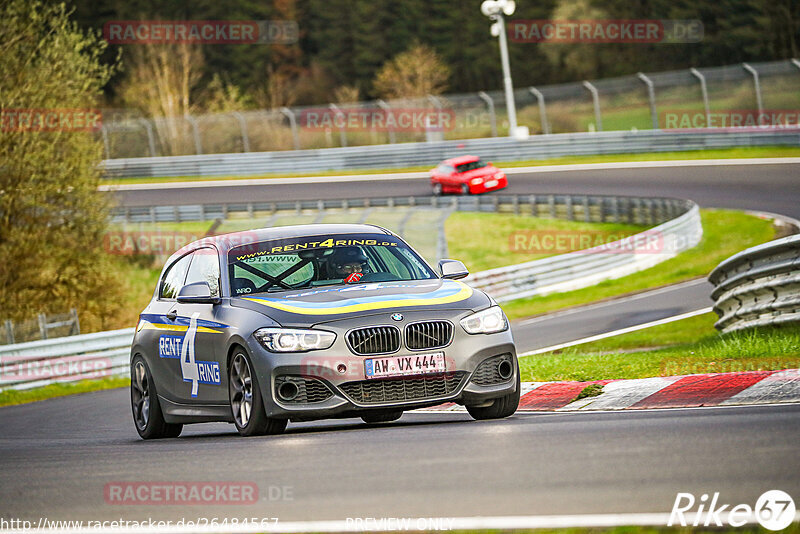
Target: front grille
374 340
486 374
428 335
403 389
308 389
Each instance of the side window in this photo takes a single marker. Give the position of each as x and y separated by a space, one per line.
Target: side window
174 277
205 268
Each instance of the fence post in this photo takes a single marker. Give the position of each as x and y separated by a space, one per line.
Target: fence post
342 133
293 123
9 331
76 324
651 95
198 145
596 101
490 104
757 85
243 128
385 107
42 325
151 140
104 134
703 89
542 109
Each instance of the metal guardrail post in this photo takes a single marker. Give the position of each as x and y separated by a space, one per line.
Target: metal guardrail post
243 128
596 101
490 105
151 140
796 63
388 110
198 146
704 90
757 85
651 96
342 133
293 124
542 109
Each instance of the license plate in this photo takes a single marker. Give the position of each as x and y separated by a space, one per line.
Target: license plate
490 183
415 364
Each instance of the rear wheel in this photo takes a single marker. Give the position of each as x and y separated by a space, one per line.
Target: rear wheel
501 407
247 405
381 417
464 189
147 414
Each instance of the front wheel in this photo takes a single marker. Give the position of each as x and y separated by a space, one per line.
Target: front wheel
437 190
247 405
501 407
465 189
147 414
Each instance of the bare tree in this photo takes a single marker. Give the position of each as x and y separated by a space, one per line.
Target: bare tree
416 72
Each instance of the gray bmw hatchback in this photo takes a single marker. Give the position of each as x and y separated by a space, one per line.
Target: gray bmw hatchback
317 321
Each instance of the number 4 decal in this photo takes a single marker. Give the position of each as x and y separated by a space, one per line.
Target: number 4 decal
189 368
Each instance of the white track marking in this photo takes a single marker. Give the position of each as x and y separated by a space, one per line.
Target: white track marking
617 332
424 174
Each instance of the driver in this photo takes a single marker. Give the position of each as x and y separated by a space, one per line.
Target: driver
348 263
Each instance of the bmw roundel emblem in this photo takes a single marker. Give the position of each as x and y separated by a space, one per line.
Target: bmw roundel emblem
397 316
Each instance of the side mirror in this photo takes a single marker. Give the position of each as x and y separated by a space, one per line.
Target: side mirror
488 163
197 293
452 269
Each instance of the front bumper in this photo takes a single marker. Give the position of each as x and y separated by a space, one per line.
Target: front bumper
319 374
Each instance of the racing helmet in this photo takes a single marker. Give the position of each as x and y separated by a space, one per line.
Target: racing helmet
344 261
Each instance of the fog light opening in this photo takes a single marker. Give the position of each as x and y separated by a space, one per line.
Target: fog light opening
341 368
505 369
288 391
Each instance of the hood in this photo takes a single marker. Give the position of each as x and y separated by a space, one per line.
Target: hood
322 304
489 170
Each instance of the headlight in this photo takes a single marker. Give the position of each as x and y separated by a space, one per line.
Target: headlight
291 340
488 321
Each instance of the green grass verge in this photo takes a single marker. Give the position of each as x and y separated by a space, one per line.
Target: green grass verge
486 240
724 233
683 347
12 396
727 153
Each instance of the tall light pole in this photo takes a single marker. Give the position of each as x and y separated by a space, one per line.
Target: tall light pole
495 9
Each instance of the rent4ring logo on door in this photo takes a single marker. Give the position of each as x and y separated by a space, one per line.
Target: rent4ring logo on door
182 348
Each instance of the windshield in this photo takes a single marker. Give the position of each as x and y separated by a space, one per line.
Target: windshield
303 262
470 166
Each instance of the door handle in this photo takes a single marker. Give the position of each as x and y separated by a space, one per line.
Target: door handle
172 315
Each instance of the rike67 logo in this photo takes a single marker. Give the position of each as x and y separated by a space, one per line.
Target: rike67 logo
774 510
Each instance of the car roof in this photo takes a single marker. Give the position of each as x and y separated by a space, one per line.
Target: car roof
461 159
225 242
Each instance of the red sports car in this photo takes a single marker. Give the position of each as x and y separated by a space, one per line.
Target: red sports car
467 175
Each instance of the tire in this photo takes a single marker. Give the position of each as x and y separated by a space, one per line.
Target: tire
437 190
500 408
147 415
381 417
465 189
247 405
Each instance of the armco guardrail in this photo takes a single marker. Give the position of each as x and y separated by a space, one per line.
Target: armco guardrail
66 359
584 268
759 286
414 154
